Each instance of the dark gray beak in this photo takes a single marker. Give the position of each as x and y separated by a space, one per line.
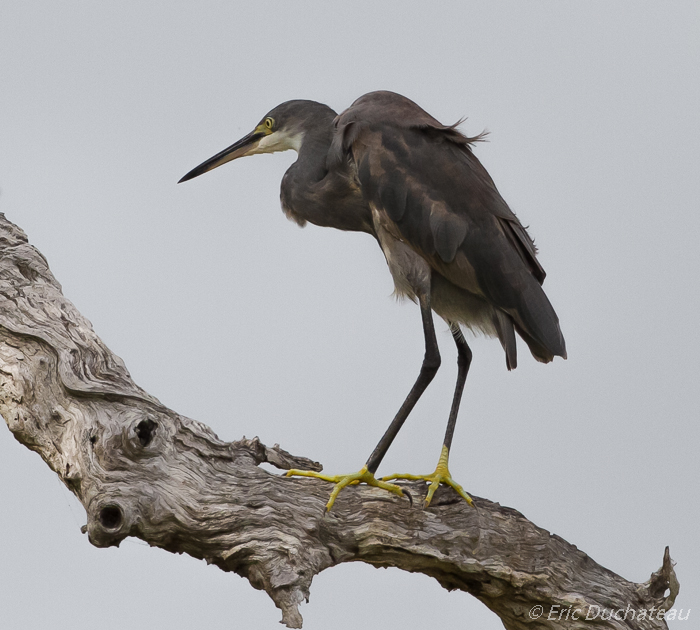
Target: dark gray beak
236 150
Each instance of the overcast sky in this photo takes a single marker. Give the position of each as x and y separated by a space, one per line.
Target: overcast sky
232 315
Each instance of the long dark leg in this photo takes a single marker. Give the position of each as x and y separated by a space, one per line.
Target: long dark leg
431 363
464 359
442 471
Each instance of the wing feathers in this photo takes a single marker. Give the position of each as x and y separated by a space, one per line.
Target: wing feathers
525 246
448 231
393 193
445 206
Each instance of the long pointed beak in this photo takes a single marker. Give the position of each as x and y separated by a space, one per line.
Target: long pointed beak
236 150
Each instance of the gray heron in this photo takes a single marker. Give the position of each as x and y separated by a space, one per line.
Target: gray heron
386 167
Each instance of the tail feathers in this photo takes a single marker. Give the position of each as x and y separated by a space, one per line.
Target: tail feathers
542 353
538 324
506 335
531 316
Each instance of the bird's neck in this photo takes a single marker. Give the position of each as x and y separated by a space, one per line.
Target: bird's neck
315 143
300 198
313 193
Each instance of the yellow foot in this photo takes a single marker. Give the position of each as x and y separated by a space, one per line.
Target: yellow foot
441 475
340 481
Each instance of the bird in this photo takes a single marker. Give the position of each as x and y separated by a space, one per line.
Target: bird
386 167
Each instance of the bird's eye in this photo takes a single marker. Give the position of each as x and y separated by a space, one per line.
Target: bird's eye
269 123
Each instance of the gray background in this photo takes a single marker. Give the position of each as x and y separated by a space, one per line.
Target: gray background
232 315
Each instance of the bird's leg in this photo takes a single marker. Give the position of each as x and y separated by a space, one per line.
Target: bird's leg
442 472
464 360
431 363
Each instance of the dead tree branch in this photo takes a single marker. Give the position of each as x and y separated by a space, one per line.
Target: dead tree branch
142 470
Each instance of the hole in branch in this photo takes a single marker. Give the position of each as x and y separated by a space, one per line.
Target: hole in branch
110 517
29 273
145 430
93 439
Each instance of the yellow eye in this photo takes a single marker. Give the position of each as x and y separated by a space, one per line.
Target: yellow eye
269 123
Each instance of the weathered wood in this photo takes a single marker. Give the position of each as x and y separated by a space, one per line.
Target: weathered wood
142 470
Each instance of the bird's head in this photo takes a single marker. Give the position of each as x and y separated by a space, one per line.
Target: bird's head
281 129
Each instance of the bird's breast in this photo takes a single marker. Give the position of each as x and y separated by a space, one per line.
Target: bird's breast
409 270
332 201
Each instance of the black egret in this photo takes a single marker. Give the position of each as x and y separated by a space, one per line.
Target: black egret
388 168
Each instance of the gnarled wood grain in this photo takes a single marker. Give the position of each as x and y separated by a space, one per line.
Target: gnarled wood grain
143 470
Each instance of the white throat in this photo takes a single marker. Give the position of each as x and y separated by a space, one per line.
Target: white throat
279 141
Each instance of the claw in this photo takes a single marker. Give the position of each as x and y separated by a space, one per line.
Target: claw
441 475
341 481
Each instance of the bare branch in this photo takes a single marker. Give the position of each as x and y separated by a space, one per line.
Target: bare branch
142 470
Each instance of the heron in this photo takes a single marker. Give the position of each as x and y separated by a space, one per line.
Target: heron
386 167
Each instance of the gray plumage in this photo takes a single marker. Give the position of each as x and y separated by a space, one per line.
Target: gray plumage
427 189
386 167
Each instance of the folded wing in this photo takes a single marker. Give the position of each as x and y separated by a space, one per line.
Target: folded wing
440 200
